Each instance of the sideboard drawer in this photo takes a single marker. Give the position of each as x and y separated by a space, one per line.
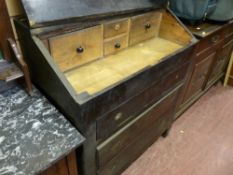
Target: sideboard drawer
114 45
116 28
142 125
77 48
209 42
144 27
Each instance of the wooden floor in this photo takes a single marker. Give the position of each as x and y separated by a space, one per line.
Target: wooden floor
103 73
200 142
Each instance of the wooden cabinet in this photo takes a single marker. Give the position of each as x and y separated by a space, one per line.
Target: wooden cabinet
210 59
123 95
65 166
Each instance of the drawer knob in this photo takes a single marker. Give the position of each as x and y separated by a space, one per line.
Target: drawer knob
118 116
148 26
215 39
117 27
117 45
80 49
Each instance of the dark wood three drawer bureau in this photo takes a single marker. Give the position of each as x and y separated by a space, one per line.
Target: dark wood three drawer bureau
114 68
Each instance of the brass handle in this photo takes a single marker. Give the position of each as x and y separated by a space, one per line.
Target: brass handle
148 26
80 49
117 45
215 38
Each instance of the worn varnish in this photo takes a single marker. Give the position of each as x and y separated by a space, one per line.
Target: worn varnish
121 85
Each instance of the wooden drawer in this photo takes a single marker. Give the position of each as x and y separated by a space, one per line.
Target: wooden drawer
77 48
222 59
209 42
129 109
114 45
144 27
116 28
228 32
122 148
199 76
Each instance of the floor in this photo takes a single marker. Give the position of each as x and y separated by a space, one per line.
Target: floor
200 142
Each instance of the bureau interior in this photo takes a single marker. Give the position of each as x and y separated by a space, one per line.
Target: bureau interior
98 57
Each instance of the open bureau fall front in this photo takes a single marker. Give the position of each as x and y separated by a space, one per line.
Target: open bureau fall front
115 69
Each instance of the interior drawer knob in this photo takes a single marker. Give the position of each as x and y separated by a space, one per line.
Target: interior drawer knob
148 26
80 49
117 45
117 27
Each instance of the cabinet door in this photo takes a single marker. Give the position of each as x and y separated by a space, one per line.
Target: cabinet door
199 76
222 60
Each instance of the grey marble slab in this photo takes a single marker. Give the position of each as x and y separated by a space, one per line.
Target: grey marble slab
33 134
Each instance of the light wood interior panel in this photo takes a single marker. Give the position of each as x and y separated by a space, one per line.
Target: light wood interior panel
103 73
171 30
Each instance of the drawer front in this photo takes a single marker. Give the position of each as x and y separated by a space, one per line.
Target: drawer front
77 48
222 60
209 42
114 45
144 27
199 76
135 135
115 119
116 28
228 32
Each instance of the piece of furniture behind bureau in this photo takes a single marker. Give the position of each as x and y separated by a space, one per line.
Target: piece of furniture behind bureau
5 30
210 60
115 70
66 166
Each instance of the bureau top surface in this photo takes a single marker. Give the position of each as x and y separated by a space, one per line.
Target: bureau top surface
42 12
34 135
205 29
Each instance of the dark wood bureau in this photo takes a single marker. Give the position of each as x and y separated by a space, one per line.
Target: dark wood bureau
115 70
210 59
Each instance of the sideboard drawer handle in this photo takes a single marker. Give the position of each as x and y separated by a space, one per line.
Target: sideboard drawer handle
215 39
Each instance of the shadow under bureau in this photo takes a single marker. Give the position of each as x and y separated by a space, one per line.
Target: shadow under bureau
114 68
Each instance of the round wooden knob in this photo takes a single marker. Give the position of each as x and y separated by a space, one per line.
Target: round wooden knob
80 49
117 27
117 45
148 26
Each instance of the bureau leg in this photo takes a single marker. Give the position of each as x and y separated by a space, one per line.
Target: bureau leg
166 133
87 160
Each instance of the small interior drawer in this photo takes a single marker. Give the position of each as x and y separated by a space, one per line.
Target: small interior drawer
115 28
77 48
144 27
116 44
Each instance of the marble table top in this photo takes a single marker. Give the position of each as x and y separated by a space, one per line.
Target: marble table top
33 134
